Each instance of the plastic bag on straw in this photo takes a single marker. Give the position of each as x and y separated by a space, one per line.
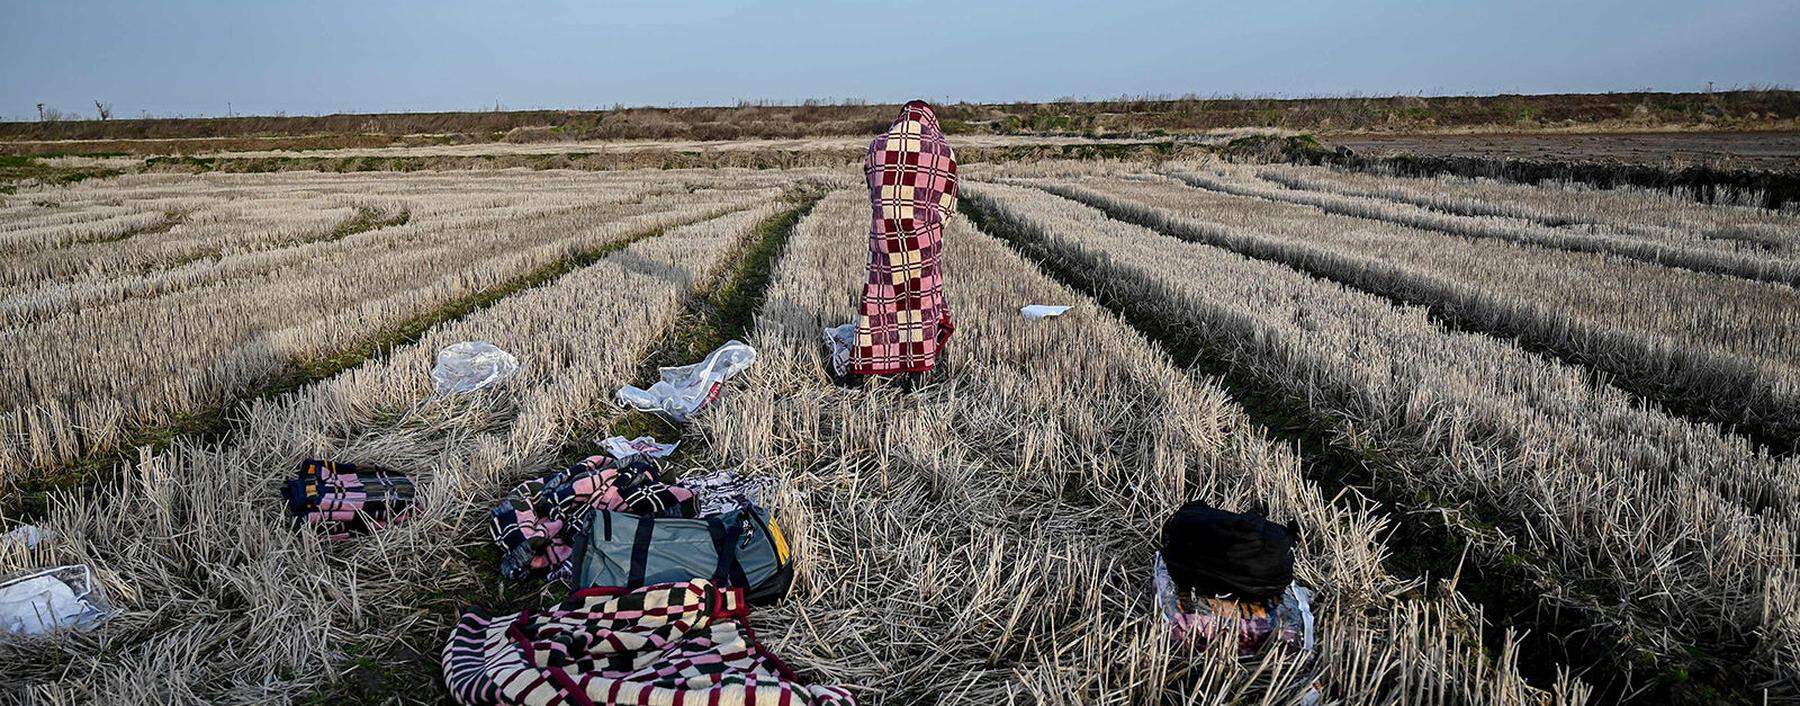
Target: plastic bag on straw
471 365
684 390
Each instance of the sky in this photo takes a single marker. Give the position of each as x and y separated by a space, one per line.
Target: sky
263 57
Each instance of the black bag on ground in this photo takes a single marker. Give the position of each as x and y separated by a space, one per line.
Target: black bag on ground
1215 552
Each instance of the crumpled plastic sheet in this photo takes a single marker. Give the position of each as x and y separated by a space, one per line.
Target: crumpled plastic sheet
685 390
470 366
26 536
839 339
1042 311
622 448
52 599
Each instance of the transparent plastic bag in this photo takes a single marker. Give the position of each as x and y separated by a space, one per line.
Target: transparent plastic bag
684 390
52 599
471 365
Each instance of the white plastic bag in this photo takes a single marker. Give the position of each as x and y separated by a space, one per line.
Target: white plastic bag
471 365
1042 311
620 447
52 599
684 390
839 339
24 536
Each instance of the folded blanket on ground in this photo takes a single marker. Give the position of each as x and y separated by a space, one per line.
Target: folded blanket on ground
540 520
341 499
672 643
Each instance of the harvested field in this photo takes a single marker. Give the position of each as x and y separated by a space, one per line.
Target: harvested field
1539 440
1774 150
1632 319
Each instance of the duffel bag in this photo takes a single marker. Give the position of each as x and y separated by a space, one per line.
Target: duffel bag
741 548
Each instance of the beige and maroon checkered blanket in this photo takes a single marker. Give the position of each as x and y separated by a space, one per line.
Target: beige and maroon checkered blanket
904 319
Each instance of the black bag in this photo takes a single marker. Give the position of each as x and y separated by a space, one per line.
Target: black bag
1213 552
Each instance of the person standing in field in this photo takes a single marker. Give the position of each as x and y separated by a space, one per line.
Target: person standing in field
904 318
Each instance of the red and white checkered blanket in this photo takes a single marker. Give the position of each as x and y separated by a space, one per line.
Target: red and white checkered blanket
672 643
904 319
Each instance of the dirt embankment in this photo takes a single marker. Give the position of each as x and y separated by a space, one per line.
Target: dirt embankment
1773 151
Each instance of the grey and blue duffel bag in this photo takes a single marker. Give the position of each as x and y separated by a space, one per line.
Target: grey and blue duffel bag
739 548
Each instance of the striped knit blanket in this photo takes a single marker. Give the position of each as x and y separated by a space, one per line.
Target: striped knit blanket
341 499
904 319
666 644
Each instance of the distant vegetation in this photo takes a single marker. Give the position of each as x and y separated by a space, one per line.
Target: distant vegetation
1140 117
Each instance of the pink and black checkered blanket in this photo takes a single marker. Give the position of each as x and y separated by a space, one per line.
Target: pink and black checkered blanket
904 319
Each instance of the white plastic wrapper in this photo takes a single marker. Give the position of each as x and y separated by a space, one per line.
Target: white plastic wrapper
471 365
1042 311
839 339
25 536
684 390
620 447
52 599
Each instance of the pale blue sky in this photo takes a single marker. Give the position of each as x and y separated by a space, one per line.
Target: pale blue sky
193 57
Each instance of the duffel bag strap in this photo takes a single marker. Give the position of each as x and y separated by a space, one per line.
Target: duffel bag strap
725 541
640 552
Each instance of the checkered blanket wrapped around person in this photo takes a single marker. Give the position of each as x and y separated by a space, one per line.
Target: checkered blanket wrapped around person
672 643
904 319
541 520
341 499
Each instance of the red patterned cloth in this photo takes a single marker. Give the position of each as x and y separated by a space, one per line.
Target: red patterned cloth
667 644
904 319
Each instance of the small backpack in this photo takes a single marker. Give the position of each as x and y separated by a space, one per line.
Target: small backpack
1215 552
742 548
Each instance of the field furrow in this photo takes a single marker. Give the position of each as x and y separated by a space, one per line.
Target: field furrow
477 220
1634 212
988 538
226 603
1639 528
213 219
1715 348
142 365
1703 256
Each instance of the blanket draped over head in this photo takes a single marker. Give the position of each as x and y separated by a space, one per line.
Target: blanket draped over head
904 319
